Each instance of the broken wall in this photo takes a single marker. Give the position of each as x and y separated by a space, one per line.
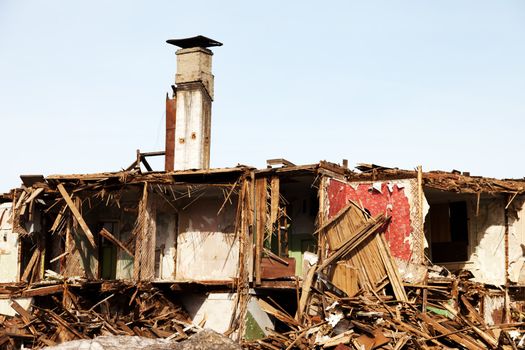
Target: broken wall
9 246
106 260
397 198
165 250
207 246
487 245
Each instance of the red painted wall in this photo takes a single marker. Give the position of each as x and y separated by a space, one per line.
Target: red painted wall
394 203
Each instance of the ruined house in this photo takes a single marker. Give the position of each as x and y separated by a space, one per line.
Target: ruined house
222 240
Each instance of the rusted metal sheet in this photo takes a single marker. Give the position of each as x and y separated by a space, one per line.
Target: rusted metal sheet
171 113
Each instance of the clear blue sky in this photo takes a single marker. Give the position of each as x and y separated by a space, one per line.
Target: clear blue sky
400 83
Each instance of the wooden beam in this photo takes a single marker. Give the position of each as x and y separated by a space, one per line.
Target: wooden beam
77 214
260 224
30 265
43 290
106 234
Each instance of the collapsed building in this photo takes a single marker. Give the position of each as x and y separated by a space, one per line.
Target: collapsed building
249 252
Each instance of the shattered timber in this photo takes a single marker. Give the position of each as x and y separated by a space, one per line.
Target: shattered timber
289 256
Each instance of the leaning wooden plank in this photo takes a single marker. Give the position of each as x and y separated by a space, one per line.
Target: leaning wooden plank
58 219
260 217
363 217
77 214
391 269
30 265
366 231
274 200
33 195
26 317
106 234
58 257
305 292
277 313
65 324
462 340
492 342
43 290
474 313
275 257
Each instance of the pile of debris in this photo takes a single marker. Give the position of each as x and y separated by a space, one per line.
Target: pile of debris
203 340
354 298
440 314
84 312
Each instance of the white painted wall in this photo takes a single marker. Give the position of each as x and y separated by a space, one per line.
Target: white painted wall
165 243
207 256
190 131
213 311
487 261
207 247
9 269
7 310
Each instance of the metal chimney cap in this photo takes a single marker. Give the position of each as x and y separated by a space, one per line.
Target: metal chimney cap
196 41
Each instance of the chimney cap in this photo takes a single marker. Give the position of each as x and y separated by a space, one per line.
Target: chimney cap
196 41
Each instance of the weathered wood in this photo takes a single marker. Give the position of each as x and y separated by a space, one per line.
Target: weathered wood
106 234
77 214
26 317
43 290
462 340
305 292
260 224
277 313
30 265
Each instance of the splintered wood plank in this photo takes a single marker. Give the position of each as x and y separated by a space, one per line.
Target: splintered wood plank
462 339
26 317
260 212
391 268
106 234
30 265
305 293
274 201
77 214
43 290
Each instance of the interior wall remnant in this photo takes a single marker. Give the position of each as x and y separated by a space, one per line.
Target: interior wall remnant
127 219
493 308
207 247
487 261
398 198
214 311
9 244
165 250
301 204
7 310
145 235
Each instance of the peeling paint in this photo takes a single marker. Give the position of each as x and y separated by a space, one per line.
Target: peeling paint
8 246
377 198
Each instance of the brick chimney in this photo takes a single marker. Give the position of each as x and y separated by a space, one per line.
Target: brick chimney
193 98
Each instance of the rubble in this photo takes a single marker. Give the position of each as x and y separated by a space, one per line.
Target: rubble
443 313
203 340
85 311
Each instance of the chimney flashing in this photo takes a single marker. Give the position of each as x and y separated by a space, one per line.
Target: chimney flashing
194 49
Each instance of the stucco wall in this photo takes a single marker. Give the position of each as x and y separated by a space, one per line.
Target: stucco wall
207 247
487 259
9 270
